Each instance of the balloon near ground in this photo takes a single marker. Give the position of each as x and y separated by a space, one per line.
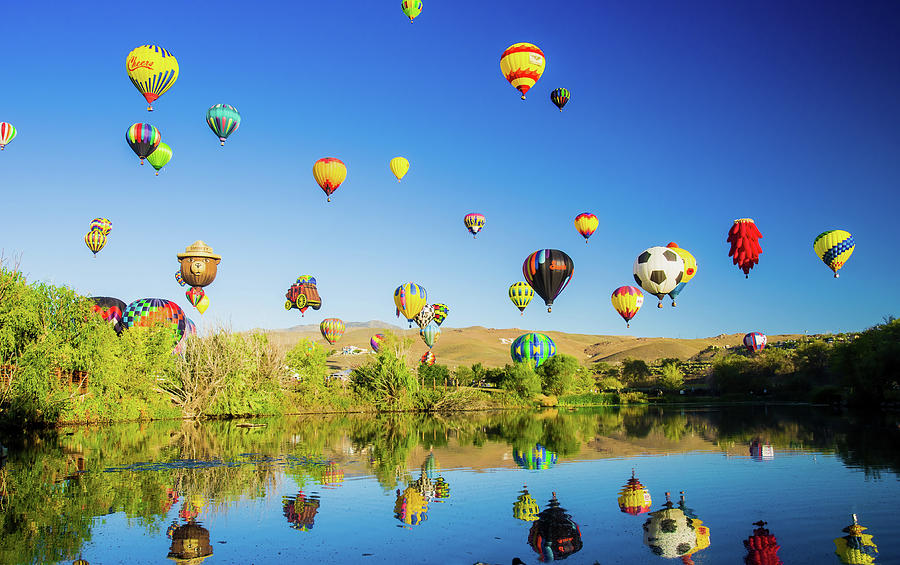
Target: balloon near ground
560 97
430 334
143 139
522 64
329 173
375 341
586 224
152 70
409 299
474 223
412 8
7 134
627 300
427 358
111 310
399 166
223 120
548 271
755 341
148 312
521 294
658 270
834 247
532 348
745 250
332 329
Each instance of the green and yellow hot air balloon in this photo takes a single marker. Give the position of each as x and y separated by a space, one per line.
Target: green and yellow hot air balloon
160 156
411 8
521 294
834 247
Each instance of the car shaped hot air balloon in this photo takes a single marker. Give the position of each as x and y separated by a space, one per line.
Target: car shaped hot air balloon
302 295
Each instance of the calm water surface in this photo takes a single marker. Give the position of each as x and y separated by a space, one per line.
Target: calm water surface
487 487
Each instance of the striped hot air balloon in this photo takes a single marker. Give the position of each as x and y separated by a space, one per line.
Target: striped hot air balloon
627 300
7 133
430 334
560 97
375 342
411 8
548 271
410 298
522 64
532 348
143 139
102 224
474 222
834 247
160 157
152 70
329 173
521 294
755 341
586 224
332 329
95 241
223 120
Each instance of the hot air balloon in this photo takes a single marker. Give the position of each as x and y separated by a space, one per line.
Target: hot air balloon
525 507
428 358
147 312
430 334
834 247
101 224
440 312
690 269
522 64
411 8
424 317
634 499
474 223
555 535
199 265
409 299
329 173
152 70
521 294
194 295
532 348
559 97
755 341
658 270
160 157
110 309
7 133
399 166
95 240
178 278
548 271
375 342
745 250
762 547
143 139
203 304
303 294
332 329
534 458
627 300
586 224
856 548
223 120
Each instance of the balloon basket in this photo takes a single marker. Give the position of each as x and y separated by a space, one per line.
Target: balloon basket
157 173
659 305
149 108
836 275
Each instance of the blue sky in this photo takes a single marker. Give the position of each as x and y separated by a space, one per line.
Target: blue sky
683 117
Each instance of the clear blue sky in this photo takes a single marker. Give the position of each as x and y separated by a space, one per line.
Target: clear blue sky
683 117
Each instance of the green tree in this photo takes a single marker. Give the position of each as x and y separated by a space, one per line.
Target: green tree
672 378
521 379
558 374
635 372
433 375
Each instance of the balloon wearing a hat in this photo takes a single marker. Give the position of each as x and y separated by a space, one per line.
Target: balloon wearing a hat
198 269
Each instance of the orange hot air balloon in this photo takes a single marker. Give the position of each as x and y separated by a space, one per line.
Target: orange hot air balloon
329 173
522 64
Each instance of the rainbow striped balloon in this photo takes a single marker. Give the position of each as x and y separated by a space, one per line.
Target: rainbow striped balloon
332 329
223 120
7 133
143 139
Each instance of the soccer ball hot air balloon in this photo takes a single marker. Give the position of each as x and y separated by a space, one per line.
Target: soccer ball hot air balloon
7 133
634 499
160 157
399 166
143 139
532 348
521 294
428 358
95 241
223 120
430 334
332 329
329 173
522 64
755 341
690 269
152 70
548 271
375 342
627 300
586 224
440 312
424 317
148 312
474 223
669 533
658 270
411 8
409 299
560 97
745 250
834 247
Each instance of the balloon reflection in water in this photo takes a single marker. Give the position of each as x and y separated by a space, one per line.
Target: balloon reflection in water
634 499
670 533
554 535
762 547
538 457
525 507
856 547
333 476
300 511
411 508
761 450
702 531
190 544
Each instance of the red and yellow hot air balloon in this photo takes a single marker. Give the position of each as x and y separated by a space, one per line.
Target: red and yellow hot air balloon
522 64
634 499
329 173
586 224
627 300
152 70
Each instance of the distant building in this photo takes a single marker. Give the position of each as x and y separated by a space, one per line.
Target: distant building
353 350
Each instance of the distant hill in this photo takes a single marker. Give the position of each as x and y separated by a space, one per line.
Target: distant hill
490 346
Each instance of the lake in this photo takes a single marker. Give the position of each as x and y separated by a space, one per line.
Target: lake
460 488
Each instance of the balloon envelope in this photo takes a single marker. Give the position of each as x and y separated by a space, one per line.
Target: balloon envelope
160 157
755 341
560 97
521 294
532 348
409 299
412 8
7 133
152 70
147 312
658 270
95 240
375 342
834 247
430 334
110 309
474 222
223 120
329 173
522 64
143 139
102 224
548 271
399 166
332 329
627 300
586 224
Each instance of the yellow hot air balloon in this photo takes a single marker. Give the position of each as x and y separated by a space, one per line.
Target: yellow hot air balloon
399 166
834 247
203 304
522 64
690 264
409 299
521 294
95 240
329 173
152 70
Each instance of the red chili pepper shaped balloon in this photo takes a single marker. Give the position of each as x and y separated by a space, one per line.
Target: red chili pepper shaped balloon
744 239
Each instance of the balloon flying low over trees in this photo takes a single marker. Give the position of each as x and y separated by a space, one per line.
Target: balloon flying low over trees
532 348
522 64
332 329
152 70
375 342
834 247
745 250
548 271
755 341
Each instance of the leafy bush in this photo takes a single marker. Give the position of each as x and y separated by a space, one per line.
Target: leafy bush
672 378
635 372
558 374
521 379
